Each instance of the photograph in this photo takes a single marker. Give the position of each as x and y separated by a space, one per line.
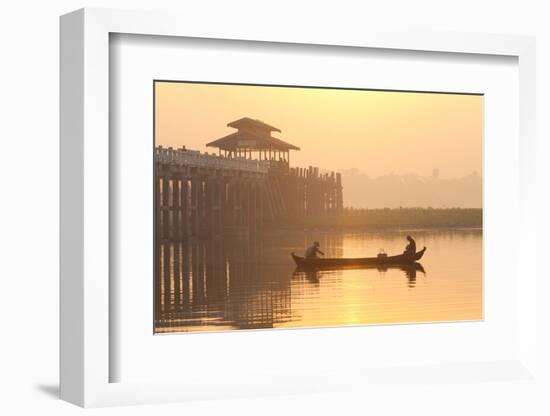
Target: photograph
283 206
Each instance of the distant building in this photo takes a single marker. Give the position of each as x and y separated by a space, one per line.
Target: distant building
253 140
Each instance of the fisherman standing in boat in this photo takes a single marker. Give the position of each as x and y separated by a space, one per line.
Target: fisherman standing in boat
411 247
311 252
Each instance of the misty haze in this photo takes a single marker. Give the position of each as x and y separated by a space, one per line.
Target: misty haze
411 190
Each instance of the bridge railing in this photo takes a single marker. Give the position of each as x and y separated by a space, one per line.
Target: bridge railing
194 158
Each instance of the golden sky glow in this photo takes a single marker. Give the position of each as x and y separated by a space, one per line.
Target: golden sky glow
377 132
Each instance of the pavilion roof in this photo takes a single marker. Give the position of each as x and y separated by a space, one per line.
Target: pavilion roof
247 123
252 134
248 140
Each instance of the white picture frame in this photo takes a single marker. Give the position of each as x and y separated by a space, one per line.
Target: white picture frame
85 213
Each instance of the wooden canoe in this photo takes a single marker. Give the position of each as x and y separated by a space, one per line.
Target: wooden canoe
321 262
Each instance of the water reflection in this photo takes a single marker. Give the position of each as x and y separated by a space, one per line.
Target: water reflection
218 285
313 275
253 283
409 270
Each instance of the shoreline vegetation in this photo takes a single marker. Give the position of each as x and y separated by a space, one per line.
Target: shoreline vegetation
388 218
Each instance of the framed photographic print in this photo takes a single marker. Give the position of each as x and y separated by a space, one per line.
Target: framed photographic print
228 222
268 214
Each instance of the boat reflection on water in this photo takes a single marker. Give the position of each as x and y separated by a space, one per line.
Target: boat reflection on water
314 275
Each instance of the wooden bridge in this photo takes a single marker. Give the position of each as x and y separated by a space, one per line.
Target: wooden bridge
205 195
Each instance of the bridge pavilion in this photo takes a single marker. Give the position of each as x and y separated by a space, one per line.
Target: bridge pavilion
253 140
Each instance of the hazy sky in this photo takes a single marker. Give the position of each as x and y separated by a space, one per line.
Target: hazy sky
376 132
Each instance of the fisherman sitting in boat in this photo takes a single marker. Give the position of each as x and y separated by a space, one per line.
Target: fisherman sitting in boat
411 247
311 252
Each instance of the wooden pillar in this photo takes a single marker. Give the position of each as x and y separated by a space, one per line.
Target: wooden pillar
254 213
201 207
194 218
233 202
240 199
209 198
207 207
220 198
247 218
158 213
184 195
165 207
226 212
260 199
176 208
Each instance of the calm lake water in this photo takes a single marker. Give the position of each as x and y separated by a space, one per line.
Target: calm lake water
252 284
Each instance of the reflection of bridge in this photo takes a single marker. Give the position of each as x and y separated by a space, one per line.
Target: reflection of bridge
206 286
200 194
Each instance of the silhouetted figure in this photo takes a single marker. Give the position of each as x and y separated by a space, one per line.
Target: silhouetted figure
311 252
411 247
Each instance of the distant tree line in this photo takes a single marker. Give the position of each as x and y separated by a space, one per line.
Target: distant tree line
398 217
